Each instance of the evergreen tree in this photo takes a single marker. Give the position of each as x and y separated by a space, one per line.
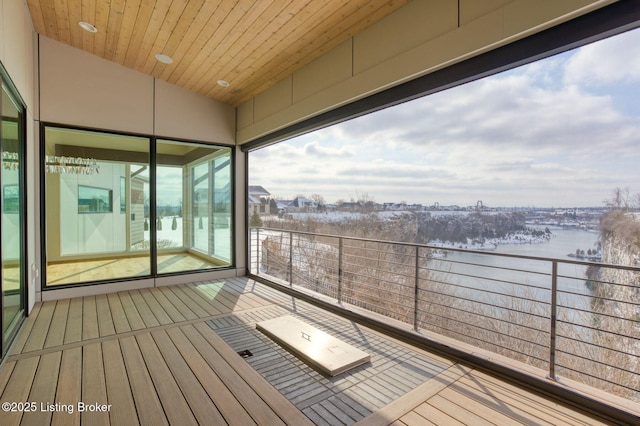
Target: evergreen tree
255 221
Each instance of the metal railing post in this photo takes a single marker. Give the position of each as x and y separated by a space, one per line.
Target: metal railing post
552 331
290 258
340 270
415 290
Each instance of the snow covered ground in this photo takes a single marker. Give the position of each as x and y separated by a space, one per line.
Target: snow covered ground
168 237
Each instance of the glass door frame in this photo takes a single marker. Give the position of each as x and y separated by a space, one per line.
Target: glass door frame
154 141
6 340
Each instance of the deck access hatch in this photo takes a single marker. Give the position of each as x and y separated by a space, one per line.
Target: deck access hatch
315 347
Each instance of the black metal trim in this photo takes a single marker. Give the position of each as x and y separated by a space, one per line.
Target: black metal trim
247 246
6 341
153 204
613 19
43 218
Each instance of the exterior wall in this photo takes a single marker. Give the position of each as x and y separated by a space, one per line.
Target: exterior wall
18 56
420 38
80 89
17 48
240 233
182 114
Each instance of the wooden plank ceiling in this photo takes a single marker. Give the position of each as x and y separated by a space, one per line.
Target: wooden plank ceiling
252 44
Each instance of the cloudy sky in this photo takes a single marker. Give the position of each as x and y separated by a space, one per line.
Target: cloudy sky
564 131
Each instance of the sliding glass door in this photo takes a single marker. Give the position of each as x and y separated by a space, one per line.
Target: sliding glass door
12 209
121 206
97 205
193 207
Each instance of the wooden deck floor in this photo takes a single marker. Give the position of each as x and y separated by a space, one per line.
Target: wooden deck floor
152 356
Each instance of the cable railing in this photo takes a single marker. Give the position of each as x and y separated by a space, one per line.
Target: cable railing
574 319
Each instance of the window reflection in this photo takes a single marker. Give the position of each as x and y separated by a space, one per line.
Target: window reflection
94 200
193 219
87 238
91 239
11 221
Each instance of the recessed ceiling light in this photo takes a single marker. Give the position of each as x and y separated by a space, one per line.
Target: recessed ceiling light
223 83
87 27
163 58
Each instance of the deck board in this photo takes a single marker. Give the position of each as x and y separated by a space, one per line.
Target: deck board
44 388
431 413
5 374
189 302
415 419
483 411
223 397
73 331
149 407
176 408
458 412
57 328
211 296
232 287
144 310
18 388
69 387
170 309
27 327
257 407
196 397
133 316
228 296
106 326
40 329
117 385
90 328
94 386
158 311
531 406
166 356
179 305
120 321
203 302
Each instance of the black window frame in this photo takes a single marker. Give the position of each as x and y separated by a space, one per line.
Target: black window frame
153 140
5 341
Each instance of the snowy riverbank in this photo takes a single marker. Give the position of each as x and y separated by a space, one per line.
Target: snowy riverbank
524 237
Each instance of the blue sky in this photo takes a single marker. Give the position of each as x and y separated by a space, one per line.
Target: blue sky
564 131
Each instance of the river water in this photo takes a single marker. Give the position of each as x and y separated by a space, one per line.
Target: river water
564 241
492 279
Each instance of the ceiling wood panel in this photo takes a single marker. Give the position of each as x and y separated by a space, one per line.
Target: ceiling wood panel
252 44
179 47
314 44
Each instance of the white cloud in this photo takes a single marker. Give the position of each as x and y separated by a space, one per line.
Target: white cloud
608 61
522 137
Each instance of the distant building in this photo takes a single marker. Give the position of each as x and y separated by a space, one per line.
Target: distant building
297 205
259 200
